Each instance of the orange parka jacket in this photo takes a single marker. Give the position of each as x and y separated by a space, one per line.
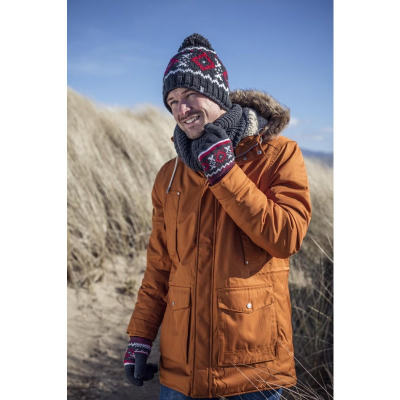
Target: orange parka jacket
218 263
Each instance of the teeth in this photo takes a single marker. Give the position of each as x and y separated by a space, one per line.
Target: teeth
189 121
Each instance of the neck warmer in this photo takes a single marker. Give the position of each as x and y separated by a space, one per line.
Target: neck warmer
237 122
234 124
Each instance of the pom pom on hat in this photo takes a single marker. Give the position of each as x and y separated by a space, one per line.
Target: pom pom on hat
195 40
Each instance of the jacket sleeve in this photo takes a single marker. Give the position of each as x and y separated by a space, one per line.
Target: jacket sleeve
150 305
276 219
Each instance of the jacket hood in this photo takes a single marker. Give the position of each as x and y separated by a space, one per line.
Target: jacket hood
277 115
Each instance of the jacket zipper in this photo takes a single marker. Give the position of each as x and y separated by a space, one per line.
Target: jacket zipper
212 300
195 283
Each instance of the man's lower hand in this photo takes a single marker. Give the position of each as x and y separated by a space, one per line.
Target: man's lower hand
135 362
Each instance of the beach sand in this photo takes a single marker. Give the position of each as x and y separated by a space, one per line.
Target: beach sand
97 339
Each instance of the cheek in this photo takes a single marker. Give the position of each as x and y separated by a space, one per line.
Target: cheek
213 113
210 107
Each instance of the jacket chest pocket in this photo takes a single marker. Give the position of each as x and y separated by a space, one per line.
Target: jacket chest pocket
247 327
174 338
171 226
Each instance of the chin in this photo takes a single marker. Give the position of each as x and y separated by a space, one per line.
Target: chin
194 135
191 134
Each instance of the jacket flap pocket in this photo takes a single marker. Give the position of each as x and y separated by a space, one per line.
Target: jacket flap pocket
245 300
178 297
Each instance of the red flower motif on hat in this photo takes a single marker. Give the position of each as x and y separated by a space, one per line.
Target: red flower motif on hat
225 75
203 61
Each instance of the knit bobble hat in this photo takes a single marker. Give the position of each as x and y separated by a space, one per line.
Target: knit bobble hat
196 66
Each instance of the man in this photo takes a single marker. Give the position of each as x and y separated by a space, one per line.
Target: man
228 212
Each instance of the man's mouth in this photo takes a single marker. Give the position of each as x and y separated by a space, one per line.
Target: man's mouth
192 119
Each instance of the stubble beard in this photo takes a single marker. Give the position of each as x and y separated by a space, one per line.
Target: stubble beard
197 130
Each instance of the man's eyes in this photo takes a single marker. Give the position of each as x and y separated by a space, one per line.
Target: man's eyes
172 102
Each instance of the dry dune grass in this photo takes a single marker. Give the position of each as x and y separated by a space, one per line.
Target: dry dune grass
320 232
113 157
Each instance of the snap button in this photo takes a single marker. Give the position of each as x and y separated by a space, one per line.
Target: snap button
173 303
249 305
244 158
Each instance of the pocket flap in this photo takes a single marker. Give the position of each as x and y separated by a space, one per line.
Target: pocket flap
178 297
245 300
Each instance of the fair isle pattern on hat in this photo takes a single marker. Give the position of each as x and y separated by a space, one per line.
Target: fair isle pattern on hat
197 66
204 62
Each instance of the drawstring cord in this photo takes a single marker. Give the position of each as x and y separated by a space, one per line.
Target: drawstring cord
173 174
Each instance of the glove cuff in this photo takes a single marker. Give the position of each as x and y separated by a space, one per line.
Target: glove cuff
137 345
217 160
141 340
141 345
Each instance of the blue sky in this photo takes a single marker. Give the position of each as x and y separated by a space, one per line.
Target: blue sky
118 51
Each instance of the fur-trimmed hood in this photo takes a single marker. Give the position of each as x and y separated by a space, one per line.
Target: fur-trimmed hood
277 115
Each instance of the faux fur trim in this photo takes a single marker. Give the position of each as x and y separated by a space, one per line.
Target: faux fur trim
252 123
277 115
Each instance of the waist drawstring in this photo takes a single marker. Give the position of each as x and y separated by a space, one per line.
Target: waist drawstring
173 174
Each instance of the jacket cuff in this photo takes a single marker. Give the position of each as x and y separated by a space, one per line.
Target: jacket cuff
142 328
230 184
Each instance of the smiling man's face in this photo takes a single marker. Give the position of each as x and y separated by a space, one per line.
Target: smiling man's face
192 110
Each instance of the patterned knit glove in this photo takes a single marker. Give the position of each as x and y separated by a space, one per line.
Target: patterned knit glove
214 151
136 368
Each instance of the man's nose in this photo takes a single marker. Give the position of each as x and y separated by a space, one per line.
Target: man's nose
183 108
